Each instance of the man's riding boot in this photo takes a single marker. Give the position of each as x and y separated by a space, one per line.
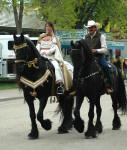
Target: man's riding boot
60 88
109 88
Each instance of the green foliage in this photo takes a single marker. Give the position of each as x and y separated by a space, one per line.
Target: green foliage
113 12
68 14
60 12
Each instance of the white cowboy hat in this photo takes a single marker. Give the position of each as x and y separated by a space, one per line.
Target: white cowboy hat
91 23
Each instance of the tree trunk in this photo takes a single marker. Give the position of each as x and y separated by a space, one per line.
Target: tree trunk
18 16
85 13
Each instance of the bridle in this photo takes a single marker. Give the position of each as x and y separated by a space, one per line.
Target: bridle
29 63
17 47
75 49
90 75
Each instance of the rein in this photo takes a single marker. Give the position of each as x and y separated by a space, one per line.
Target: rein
16 47
30 63
75 49
92 74
18 61
33 63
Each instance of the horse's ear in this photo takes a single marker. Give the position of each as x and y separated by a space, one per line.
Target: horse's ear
14 36
22 37
72 44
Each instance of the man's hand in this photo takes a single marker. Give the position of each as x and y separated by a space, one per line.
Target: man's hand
43 53
94 50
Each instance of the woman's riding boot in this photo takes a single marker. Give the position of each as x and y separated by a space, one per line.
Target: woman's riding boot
60 88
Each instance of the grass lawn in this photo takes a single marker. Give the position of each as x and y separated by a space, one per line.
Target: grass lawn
5 86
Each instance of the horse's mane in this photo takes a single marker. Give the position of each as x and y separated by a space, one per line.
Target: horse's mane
41 59
32 46
87 51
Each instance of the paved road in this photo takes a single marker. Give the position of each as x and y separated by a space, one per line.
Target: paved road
15 125
10 94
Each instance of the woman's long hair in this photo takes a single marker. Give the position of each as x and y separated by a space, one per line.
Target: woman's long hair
51 25
43 35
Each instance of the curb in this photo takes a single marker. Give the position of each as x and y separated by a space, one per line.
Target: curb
11 98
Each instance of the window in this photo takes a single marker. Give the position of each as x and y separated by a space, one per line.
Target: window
35 42
10 45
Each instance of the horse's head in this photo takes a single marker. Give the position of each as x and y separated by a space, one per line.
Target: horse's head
81 53
77 53
20 52
20 45
76 45
24 52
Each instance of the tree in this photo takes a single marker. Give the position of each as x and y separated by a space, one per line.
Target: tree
18 16
60 12
75 13
113 12
18 8
103 11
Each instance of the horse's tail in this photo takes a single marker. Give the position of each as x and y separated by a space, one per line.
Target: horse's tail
122 97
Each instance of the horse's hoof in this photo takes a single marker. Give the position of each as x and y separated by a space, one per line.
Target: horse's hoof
115 128
62 130
90 135
98 127
116 123
91 132
79 125
32 136
46 124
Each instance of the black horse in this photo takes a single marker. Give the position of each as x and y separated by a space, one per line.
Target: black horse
89 81
35 75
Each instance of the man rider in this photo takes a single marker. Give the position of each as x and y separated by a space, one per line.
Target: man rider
97 43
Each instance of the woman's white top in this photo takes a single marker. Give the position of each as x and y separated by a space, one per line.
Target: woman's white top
50 48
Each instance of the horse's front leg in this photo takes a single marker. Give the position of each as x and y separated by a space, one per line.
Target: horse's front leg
98 125
91 131
78 122
116 121
34 130
46 124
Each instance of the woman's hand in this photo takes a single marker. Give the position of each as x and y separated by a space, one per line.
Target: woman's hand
43 53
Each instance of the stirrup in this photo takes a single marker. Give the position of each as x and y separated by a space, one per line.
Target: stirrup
60 89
